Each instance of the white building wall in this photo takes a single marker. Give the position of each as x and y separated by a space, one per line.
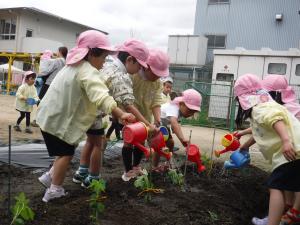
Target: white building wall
49 28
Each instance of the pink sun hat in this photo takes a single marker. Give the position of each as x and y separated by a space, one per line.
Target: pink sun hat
26 74
191 98
87 40
158 61
47 54
279 83
250 92
137 49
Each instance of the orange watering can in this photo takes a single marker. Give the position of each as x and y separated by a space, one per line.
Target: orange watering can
194 156
135 134
230 142
158 142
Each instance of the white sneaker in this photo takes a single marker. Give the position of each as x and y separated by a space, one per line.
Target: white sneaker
129 175
257 221
52 194
45 180
138 170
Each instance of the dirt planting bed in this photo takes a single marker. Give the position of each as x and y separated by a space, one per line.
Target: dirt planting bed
226 198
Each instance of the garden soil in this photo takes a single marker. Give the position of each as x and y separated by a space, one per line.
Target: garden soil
223 198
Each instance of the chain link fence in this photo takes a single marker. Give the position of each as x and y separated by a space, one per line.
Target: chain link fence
218 107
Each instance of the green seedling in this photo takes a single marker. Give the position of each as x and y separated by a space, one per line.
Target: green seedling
96 199
208 163
144 183
21 210
176 178
213 216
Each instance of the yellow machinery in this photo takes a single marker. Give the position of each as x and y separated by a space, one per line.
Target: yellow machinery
32 58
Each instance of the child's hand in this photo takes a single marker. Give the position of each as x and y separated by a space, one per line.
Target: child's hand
127 118
153 130
237 134
185 142
24 98
288 151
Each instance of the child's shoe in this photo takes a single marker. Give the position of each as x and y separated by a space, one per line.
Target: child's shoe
88 180
161 168
17 128
257 221
28 130
291 217
52 194
34 124
78 177
138 170
129 175
45 180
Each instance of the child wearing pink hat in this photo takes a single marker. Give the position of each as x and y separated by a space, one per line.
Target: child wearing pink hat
132 56
184 106
147 99
24 93
283 94
277 134
69 107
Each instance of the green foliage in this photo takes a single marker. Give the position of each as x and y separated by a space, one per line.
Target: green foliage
213 216
21 210
176 177
144 183
206 160
96 198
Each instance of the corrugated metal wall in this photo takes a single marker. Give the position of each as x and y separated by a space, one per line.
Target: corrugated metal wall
250 23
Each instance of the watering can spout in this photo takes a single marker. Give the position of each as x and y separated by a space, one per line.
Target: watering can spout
201 168
229 165
145 150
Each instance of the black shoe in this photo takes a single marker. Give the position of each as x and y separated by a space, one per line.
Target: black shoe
28 131
17 128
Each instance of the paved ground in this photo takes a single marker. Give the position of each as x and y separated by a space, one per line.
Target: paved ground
201 136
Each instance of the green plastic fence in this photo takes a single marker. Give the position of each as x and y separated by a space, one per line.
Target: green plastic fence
218 105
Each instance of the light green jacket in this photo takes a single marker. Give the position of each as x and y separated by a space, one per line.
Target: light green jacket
147 95
69 107
25 91
264 116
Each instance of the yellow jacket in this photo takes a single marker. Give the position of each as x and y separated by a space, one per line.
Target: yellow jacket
69 107
264 116
25 91
147 95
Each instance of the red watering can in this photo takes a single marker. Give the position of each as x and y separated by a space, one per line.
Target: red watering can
158 142
194 156
135 134
230 142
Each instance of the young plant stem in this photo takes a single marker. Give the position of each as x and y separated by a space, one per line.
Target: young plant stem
17 214
186 153
211 153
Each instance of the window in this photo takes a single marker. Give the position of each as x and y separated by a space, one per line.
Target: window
7 29
216 41
277 68
218 1
224 77
29 33
297 72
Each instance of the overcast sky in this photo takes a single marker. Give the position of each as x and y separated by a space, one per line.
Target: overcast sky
148 20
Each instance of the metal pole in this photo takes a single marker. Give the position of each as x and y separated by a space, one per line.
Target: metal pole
9 169
186 153
10 62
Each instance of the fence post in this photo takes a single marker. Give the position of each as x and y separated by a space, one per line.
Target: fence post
232 108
